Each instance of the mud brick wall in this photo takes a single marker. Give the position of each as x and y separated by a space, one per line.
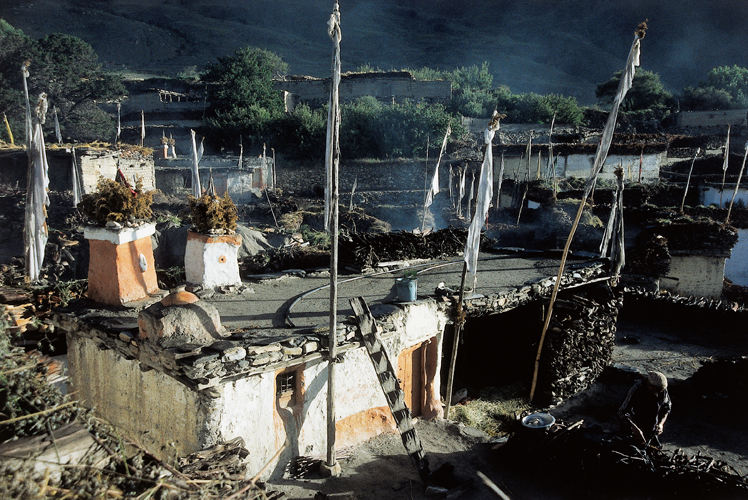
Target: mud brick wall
95 163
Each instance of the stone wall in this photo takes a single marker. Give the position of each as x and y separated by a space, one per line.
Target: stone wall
580 166
174 176
712 118
712 195
401 175
92 164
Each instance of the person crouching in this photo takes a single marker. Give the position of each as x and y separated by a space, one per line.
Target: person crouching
644 411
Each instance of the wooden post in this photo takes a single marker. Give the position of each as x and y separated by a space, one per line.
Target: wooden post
459 321
331 467
522 202
737 184
688 181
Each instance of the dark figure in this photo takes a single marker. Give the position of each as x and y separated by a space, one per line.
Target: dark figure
645 409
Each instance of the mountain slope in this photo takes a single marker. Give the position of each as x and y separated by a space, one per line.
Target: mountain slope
560 46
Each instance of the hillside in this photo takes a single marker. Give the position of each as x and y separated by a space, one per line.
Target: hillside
560 46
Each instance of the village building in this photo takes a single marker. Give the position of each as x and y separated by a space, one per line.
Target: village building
243 178
387 87
715 118
84 165
181 382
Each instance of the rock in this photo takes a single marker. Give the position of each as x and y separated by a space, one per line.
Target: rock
172 326
253 241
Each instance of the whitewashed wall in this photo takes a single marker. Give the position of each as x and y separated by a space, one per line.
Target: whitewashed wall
710 195
697 275
581 165
163 413
103 163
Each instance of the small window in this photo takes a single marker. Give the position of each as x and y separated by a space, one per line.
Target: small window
285 383
286 388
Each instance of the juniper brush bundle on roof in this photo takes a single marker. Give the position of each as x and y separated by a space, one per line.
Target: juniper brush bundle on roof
117 202
213 213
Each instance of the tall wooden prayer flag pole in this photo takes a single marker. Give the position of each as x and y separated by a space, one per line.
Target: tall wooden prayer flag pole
332 161
627 79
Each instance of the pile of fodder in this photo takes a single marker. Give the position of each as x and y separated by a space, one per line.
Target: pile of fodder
355 220
696 234
279 259
365 250
493 412
211 213
601 464
117 202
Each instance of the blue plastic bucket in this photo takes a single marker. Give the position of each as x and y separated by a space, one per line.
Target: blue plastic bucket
406 289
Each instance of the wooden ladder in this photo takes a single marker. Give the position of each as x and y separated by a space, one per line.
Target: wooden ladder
393 393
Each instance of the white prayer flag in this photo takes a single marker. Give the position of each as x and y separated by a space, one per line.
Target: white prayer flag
142 127
119 121
77 182
36 232
58 135
434 189
470 195
353 191
332 144
201 150
485 193
461 193
727 151
627 79
196 190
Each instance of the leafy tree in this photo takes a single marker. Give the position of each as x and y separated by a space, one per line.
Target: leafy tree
472 77
647 92
732 79
473 103
241 95
66 68
302 133
566 109
706 99
370 129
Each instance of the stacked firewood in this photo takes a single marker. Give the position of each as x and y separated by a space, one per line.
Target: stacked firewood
571 452
365 250
218 462
579 343
722 383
